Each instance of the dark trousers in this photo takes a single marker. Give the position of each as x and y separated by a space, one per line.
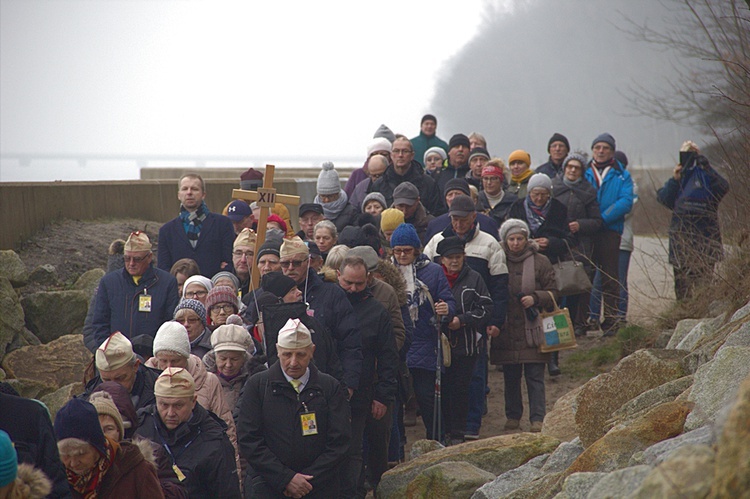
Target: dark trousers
377 435
534 373
478 389
351 468
607 259
456 383
423 381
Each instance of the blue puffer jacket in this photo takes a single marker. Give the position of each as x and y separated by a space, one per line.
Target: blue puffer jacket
423 350
116 305
615 196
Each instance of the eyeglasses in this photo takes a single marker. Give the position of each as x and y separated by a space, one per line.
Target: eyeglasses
135 259
246 254
195 294
227 308
401 151
292 263
403 251
191 321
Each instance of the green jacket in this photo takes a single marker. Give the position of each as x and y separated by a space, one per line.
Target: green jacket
422 142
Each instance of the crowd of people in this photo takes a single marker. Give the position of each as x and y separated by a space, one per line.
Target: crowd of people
398 291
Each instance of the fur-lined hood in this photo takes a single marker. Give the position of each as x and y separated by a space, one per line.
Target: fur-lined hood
31 483
327 274
392 276
147 449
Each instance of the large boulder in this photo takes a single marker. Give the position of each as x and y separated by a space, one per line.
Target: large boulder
31 388
458 480
732 469
495 455
44 275
644 402
741 313
564 455
57 363
13 269
579 485
23 339
738 338
658 452
681 330
511 480
89 282
615 449
716 383
620 483
560 422
50 315
633 375
423 447
11 315
686 472
55 400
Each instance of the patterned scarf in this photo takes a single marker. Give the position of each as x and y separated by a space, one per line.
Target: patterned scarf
192 222
415 289
536 215
600 170
331 210
87 485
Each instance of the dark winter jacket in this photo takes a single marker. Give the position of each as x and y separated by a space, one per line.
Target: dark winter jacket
422 142
550 169
204 344
328 304
615 196
386 295
359 194
28 424
473 309
439 224
201 449
420 221
499 213
429 193
142 394
214 246
449 173
270 431
580 201
555 228
347 216
379 352
354 180
116 305
130 476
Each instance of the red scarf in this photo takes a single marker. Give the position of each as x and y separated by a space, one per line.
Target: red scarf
451 277
88 484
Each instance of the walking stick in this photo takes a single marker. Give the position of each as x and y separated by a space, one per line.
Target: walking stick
437 410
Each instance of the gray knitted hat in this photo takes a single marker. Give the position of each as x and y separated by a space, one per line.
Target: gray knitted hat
328 180
513 226
376 196
540 180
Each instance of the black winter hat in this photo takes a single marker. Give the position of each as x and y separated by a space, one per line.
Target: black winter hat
558 137
450 246
277 284
459 140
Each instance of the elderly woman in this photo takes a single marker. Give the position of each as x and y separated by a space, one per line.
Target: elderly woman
221 302
333 198
374 204
192 315
326 236
197 287
434 157
584 221
96 465
493 200
546 217
125 409
519 163
516 348
225 278
429 298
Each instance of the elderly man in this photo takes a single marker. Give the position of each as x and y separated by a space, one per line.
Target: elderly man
485 256
376 167
558 148
457 187
243 256
294 427
406 169
478 158
196 233
407 199
427 137
309 216
193 438
458 161
379 146
329 305
614 191
372 403
135 300
116 361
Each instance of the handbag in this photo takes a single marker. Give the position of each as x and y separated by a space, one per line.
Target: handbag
570 276
558 329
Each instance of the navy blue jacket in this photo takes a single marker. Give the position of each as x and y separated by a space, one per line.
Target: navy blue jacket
116 305
485 223
328 304
213 249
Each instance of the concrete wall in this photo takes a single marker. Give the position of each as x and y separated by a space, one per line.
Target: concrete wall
29 206
155 173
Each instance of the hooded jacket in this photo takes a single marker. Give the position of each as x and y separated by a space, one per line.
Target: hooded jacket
30 483
429 193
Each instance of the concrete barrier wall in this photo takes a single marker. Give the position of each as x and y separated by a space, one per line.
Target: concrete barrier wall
28 207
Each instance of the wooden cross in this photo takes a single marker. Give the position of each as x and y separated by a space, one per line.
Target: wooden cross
266 198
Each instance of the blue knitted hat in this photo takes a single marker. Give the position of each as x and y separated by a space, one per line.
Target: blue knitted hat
79 419
8 460
405 235
606 138
193 305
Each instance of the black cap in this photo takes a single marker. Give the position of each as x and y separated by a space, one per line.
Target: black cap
450 246
270 246
457 184
459 140
305 207
558 137
428 117
462 206
277 284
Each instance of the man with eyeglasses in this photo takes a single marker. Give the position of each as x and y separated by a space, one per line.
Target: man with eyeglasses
243 256
404 168
135 300
376 167
327 302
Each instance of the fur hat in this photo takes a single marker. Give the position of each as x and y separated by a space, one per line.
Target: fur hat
293 246
78 419
114 353
104 405
391 218
558 137
513 226
405 235
328 180
294 335
378 144
540 180
374 196
520 155
606 138
231 338
137 241
172 337
174 382
194 305
246 237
